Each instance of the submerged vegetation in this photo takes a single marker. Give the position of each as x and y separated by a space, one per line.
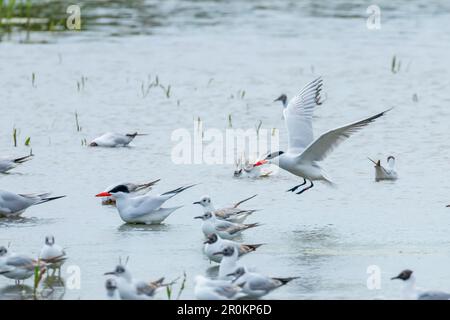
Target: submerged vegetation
28 15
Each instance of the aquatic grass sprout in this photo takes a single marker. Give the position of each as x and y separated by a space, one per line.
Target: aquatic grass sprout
395 65
77 123
15 137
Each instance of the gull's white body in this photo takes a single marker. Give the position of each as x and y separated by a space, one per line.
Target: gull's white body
209 289
411 292
53 254
385 173
131 289
13 205
112 140
304 153
228 265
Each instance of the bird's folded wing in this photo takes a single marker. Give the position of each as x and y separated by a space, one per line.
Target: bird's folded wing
227 291
327 142
298 116
144 288
20 261
260 283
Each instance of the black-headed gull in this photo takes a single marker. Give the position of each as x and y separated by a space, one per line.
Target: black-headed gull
256 285
111 289
7 164
232 214
410 292
212 289
113 139
382 173
283 99
131 289
135 189
304 153
18 266
225 229
145 209
52 254
13 205
215 243
228 265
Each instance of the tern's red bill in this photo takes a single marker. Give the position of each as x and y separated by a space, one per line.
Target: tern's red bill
260 163
103 194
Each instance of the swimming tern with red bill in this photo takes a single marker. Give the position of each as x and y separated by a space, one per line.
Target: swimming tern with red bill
135 189
145 209
304 153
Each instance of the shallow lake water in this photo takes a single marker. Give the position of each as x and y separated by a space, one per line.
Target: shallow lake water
210 52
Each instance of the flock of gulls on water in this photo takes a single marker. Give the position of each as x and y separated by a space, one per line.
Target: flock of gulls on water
220 226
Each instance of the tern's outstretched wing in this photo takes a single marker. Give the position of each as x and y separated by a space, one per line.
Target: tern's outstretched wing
298 116
327 142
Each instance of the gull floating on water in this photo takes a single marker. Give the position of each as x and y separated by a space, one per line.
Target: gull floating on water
135 189
304 153
52 254
7 164
382 173
130 289
112 139
225 229
145 209
212 289
232 214
18 266
410 291
228 265
13 205
256 285
215 244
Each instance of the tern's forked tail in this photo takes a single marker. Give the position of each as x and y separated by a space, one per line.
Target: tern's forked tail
44 200
24 159
285 280
177 190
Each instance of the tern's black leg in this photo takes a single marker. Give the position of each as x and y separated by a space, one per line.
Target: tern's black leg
297 186
307 188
